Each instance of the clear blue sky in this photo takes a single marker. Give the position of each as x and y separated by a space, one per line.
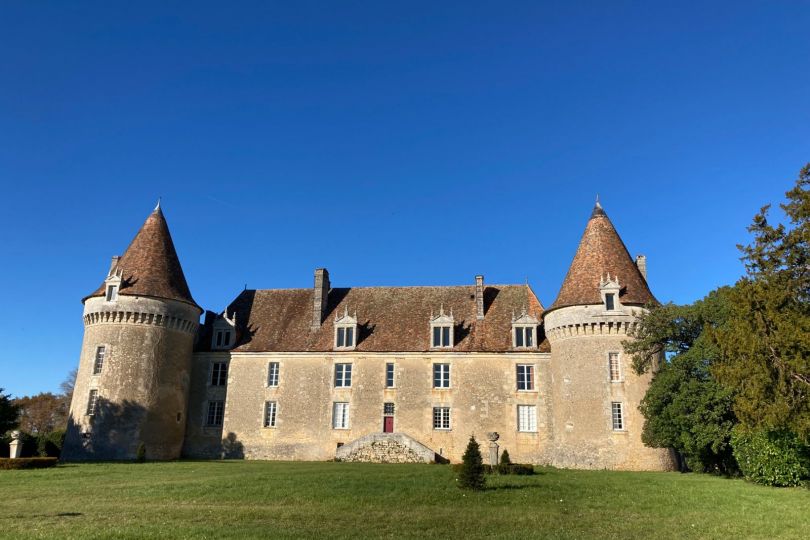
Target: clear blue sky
396 143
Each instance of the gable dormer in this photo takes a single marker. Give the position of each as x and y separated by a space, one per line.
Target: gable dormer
112 285
609 289
223 336
524 330
346 331
441 330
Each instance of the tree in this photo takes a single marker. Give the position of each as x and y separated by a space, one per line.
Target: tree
471 475
685 408
764 349
68 385
9 413
42 413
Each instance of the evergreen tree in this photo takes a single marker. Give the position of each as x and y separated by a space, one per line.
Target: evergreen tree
9 413
471 475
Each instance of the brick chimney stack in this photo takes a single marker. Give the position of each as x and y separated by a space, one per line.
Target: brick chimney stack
479 297
641 264
320 297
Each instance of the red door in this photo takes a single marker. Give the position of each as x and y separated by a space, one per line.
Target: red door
388 424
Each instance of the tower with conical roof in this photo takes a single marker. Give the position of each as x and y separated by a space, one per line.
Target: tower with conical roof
133 378
595 393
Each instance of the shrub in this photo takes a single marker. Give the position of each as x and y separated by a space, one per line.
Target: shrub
27 463
505 462
471 474
50 444
776 458
140 453
520 468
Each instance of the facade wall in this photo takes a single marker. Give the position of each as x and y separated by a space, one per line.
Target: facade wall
483 397
143 385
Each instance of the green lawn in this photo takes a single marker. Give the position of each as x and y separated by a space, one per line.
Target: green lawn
216 499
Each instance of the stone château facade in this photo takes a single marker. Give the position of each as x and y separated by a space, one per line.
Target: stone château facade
364 373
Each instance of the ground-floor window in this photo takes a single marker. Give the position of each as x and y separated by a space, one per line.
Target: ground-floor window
270 408
527 418
216 411
340 415
618 416
441 417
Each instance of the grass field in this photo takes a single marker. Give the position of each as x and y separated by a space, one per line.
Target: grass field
218 499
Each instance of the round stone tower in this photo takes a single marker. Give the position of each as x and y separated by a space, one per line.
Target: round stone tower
595 393
133 376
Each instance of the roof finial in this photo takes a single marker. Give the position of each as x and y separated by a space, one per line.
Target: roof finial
597 208
157 206
597 201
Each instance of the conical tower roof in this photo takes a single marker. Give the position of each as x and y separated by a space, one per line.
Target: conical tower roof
601 251
149 266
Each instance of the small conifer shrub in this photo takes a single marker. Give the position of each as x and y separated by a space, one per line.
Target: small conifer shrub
471 475
505 462
140 454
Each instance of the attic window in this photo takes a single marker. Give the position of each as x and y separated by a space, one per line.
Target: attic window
224 332
223 339
441 330
112 293
609 288
346 331
524 331
609 303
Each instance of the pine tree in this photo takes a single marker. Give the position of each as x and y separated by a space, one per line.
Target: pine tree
471 475
505 462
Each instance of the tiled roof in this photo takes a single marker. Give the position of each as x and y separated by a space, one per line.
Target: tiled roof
390 319
601 251
150 266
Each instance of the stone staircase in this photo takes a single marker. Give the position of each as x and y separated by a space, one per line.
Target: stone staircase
387 448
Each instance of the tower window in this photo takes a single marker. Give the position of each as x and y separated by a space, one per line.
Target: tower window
270 408
525 377
389 375
216 412
618 416
441 417
343 375
614 368
610 302
219 374
340 415
272 374
92 402
441 375
527 418
98 365
112 293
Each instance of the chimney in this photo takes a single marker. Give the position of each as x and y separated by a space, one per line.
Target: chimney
113 264
479 297
320 297
641 264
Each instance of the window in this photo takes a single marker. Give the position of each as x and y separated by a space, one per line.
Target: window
343 375
613 366
92 403
441 336
112 293
389 375
441 417
270 414
223 339
98 365
441 375
388 409
609 301
340 415
272 374
219 373
618 416
345 337
525 377
527 418
524 336
216 410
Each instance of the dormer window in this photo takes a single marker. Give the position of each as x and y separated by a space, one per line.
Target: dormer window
346 331
609 288
113 284
524 331
441 330
224 332
112 293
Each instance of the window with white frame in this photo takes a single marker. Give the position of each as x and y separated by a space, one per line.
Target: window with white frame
343 375
614 367
525 377
112 293
524 330
610 288
389 375
345 337
216 412
92 402
524 336
272 374
98 364
340 415
527 418
441 330
441 375
441 336
270 408
441 417
618 416
222 339
219 374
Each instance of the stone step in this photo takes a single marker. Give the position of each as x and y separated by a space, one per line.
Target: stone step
387 448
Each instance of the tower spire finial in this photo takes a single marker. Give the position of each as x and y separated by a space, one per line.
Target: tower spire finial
157 206
597 201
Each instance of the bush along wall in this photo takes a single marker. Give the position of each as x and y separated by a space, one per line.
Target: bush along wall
27 463
774 458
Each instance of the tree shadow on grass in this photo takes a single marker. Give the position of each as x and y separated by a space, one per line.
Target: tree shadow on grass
511 487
